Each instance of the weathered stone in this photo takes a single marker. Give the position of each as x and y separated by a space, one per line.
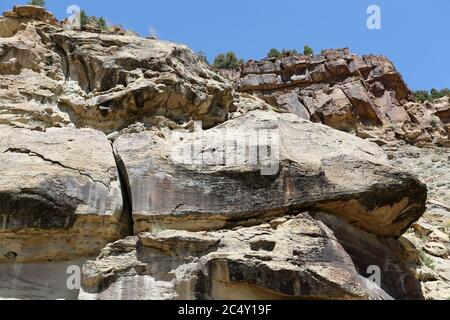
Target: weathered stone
424 116
345 91
60 194
298 259
31 13
104 81
443 109
208 189
436 249
291 103
41 281
371 254
334 109
65 192
398 115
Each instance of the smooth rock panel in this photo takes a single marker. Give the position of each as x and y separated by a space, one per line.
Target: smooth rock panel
60 194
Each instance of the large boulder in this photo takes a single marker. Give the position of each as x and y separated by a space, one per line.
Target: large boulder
60 194
259 166
290 258
15 20
31 12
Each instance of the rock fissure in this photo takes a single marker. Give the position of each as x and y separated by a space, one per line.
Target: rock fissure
126 192
35 154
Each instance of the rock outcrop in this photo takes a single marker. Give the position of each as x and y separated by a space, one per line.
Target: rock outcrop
56 77
289 258
205 182
57 189
135 152
347 92
428 239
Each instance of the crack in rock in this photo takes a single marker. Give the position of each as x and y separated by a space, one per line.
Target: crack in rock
35 154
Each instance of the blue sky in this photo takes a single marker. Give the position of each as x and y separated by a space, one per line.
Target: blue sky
415 35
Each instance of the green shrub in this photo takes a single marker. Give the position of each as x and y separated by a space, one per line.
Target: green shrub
437 94
274 53
101 23
227 60
308 51
423 95
86 19
39 3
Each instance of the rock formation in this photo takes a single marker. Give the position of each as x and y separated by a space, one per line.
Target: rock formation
347 92
288 258
132 158
57 188
321 169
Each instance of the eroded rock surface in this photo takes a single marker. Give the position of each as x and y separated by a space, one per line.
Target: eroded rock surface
208 188
40 281
60 194
290 258
429 238
99 144
56 77
371 254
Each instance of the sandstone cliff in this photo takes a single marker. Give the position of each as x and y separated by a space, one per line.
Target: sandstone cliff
364 95
105 166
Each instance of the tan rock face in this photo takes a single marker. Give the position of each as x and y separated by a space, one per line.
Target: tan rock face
13 21
60 194
98 137
443 109
31 13
104 81
321 168
429 237
295 258
38 281
136 79
393 257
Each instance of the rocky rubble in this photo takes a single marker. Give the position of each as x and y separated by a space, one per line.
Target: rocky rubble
430 235
105 164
